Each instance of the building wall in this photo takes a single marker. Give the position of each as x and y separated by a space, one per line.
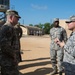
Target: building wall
64 25
25 31
31 30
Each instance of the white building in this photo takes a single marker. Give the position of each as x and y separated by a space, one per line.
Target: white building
31 30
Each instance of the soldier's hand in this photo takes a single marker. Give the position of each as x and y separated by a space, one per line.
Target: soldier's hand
56 40
61 44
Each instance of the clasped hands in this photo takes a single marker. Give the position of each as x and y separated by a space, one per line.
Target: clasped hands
61 44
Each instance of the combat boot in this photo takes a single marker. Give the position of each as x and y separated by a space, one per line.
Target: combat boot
60 73
53 72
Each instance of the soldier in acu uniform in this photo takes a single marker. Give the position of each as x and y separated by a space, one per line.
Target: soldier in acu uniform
18 30
69 48
56 51
9 64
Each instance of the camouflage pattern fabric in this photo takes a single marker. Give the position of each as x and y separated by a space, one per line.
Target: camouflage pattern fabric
9 70
59 33
8 48
56 52
18 32
69 55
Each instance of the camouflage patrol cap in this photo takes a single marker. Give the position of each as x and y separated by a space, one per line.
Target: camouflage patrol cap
12 12
56 19
71 19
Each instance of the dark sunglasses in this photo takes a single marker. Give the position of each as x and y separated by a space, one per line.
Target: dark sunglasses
70 21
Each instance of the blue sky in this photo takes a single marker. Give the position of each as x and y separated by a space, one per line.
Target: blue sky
42 11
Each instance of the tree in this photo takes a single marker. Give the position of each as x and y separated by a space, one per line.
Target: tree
30 24
41 25
36 25
46 28
52 25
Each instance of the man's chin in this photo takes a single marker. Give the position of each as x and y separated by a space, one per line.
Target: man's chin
70 29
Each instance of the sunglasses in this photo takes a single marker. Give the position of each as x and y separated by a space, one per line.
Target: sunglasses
70 21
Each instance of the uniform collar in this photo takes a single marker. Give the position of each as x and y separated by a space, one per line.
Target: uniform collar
72 33
8 23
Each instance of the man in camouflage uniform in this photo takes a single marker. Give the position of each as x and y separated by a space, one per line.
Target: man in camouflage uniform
1 24
18 30
56 51
69 48
9 64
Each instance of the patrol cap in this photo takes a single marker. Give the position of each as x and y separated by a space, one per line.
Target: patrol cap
12 12
71 19
56 20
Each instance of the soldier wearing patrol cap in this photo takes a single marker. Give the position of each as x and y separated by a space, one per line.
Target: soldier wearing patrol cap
9 64
69 48
12 12
56 52
56 19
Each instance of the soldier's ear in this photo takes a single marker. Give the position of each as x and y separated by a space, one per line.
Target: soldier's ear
11 17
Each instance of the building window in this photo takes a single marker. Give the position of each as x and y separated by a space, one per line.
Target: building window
1 1
4 2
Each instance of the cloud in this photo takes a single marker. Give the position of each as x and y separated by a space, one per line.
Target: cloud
39 7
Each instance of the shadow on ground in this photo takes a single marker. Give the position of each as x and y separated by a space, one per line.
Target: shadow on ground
36 59
40 71
34 64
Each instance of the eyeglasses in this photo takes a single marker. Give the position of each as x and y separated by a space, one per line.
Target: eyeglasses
17 17
70 21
